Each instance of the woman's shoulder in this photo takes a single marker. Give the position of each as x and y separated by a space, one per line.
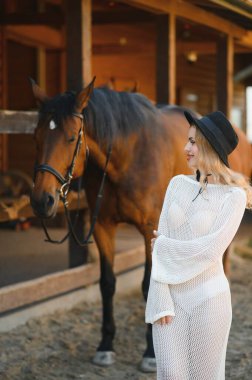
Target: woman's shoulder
237 192
180 181
184 178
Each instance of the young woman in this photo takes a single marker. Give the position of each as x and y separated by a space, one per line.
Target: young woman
189 301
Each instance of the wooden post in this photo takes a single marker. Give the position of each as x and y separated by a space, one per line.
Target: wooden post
41 53
224 74
78 43
78 62
166 59
3 100
78 255
86 41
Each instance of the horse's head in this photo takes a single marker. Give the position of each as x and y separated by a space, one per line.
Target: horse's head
61 146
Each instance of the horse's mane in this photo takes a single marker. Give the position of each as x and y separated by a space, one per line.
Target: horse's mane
109 113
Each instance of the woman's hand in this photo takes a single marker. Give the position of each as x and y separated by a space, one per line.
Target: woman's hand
164 320
156 234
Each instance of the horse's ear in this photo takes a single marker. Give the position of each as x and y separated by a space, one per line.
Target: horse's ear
38 93
84 95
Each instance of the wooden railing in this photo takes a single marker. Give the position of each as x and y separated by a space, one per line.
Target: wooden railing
18 121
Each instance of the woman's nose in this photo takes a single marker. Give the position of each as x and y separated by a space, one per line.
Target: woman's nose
186 148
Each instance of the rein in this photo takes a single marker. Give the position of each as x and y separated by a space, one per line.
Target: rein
63 191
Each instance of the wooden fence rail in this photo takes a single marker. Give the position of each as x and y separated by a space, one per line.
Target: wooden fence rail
18 121
45 287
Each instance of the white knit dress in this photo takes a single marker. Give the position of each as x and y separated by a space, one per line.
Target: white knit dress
188 281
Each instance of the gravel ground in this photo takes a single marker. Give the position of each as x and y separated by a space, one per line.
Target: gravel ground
60 346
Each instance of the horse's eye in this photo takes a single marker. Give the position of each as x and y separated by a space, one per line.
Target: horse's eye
72 139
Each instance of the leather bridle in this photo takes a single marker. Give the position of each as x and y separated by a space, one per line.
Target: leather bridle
65 185
65 181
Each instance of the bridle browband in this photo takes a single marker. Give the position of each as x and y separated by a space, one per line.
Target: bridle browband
65 185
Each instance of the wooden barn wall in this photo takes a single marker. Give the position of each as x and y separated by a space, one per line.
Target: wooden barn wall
196 83
127 54
53 72
199 79
124 53
22 63
134 61
21 148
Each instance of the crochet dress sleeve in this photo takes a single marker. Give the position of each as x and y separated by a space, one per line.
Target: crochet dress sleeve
176 261
159 302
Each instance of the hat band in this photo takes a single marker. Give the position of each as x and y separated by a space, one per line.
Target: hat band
217 134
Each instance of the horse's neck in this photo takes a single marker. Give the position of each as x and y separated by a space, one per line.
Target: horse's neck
118 161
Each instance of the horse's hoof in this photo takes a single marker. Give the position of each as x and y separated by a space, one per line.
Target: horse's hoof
148 365
104 358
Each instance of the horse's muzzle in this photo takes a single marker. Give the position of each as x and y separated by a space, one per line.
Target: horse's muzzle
44 206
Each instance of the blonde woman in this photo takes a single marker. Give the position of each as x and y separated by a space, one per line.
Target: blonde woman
189 301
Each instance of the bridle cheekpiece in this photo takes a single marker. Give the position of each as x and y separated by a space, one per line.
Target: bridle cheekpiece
65 181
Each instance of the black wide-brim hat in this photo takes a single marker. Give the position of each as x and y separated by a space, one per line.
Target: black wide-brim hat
218 131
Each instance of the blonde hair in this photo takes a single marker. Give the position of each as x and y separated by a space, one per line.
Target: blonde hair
210 163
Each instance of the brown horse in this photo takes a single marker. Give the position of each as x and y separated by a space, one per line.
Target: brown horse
147 151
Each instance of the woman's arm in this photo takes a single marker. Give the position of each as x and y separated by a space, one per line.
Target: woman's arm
176 261
159 302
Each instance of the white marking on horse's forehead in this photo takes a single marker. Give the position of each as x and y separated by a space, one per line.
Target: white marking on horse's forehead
52 125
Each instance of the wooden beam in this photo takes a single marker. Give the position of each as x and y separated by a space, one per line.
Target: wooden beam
116 49
55 19
119 17
189 12
233 8
246 40
18 121
224 74
205 48
36 35
201 48
26 293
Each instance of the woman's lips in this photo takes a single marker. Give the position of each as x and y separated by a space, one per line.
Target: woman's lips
189 157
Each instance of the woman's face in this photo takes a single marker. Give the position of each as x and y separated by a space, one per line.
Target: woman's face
191 149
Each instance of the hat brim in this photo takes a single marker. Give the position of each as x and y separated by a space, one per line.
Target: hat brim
197 123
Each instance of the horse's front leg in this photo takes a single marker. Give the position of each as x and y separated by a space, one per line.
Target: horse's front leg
105 239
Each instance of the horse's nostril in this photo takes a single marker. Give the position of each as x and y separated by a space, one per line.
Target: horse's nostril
50 200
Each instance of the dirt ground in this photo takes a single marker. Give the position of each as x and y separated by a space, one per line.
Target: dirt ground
60 346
